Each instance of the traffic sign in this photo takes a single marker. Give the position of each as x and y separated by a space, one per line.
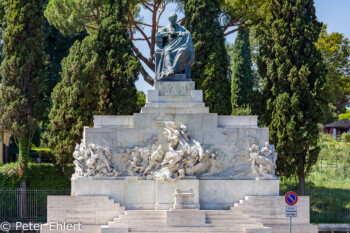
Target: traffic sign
291 214
291 211
291 208
291 198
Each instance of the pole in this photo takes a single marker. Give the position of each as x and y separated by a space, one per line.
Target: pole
290 224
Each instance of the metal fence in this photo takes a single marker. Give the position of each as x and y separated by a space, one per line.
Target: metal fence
26 205
329 207
30 205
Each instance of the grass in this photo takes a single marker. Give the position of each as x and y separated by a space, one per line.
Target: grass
328 184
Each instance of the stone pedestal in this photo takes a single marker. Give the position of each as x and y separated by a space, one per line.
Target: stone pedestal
165 198
184 199
184 217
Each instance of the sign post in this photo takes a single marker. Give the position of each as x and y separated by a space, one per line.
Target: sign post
291 199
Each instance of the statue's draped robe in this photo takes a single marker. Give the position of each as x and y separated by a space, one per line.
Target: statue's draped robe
177 56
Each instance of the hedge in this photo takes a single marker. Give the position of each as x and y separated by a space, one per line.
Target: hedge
38 175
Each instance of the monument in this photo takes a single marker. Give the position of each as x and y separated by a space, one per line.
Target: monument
174 52
175 167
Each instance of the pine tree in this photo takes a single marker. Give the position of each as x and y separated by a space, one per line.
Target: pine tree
294 78
242 80
119 67
24 85
211 69
74 99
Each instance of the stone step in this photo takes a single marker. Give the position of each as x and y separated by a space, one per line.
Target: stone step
185 229
176 99
135 223
232 221
224 216
145 212
176 110
176 105
148 219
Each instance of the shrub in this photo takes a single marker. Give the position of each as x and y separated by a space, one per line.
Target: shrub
38 175
345 137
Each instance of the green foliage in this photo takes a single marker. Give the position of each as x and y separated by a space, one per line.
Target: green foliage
118 65
23 96
243 110
45 154
327 184
141 100
248 11
335 49
345 137
242 80
71 17
38 175
293 90
48 176
4 7
74 99
211 69
345 115
98 78
9 175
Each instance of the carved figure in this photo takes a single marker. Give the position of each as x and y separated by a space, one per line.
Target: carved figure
93 161
263 160
174 51
181 156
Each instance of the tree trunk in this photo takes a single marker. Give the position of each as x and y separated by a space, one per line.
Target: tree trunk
302 191
23 201
24 146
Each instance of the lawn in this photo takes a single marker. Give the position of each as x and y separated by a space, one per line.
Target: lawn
328 184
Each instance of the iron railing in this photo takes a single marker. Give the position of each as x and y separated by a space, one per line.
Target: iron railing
26 205
30 205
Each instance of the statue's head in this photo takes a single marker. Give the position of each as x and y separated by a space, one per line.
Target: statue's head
173 18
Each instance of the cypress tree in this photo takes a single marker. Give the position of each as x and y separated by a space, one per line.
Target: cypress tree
242 76
211 69
74 99
24 85
294 78
119 67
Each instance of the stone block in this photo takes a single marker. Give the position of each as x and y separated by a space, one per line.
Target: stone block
152 96
169 88
109 121
222 194
197 96
238 121
184 199
165 192
185 218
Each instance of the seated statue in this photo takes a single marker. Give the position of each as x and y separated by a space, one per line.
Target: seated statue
174 52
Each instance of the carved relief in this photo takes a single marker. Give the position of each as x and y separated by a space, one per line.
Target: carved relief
263 160
180 156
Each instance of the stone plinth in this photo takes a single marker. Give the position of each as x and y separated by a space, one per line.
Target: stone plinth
184 199
185 218
210 194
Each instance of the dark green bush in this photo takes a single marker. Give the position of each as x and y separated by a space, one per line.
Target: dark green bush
45 155
345 137
38 175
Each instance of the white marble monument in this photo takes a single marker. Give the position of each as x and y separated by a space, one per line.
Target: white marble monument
175 167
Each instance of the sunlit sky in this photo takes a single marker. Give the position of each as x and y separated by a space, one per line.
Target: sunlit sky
334 13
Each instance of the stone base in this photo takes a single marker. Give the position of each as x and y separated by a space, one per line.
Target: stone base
210 194
175 78
185 218
254 214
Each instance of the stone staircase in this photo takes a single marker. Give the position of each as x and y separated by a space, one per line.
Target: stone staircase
156 221
270 211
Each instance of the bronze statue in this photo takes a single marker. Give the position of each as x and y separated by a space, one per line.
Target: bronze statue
174 52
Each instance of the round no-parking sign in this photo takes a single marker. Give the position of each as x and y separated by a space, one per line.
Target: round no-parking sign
291 198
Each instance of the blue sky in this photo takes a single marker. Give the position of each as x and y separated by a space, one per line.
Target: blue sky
334 13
